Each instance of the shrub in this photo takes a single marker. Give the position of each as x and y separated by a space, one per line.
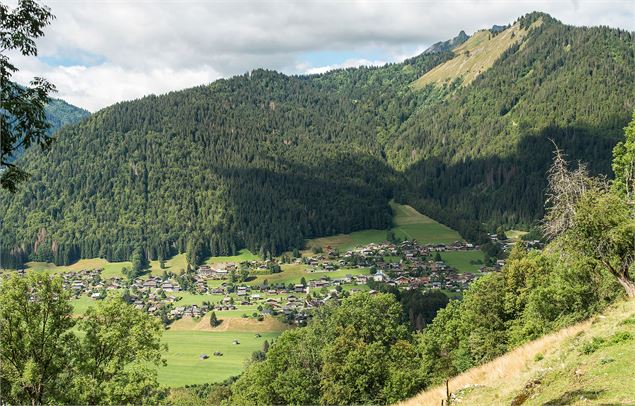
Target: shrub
592 346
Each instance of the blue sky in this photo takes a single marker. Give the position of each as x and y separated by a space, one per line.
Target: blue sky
104 51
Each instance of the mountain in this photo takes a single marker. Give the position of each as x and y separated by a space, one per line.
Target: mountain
265 160
61 113
448 45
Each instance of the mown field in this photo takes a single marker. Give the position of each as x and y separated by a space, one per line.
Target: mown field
184 367
464 261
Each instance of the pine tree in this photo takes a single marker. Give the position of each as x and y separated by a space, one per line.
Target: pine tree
213 320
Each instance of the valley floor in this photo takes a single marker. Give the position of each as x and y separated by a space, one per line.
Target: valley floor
592 362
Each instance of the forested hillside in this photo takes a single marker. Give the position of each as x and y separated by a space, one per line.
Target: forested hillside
60 113
481 154
266 160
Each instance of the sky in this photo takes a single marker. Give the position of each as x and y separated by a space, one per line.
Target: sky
101 52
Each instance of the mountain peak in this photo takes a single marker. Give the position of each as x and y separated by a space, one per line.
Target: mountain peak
448 45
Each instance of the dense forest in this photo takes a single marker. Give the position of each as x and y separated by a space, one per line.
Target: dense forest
60 113
265 160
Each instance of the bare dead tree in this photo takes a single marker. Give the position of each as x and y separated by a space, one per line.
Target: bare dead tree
565 189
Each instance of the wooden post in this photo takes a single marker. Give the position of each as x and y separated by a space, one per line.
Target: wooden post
447 392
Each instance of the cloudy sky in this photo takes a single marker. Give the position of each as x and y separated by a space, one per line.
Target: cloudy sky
101 52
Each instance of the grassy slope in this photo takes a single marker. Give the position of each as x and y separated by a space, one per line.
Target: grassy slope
184 348
243 255
408 224
553 370
473 57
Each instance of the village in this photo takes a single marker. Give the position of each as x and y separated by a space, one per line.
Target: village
243 290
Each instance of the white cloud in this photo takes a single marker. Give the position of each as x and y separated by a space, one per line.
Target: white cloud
153 46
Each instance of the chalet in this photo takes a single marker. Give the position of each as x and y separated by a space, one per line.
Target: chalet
402 280
361 280
151 283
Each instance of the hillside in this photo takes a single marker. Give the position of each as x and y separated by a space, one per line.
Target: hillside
265 161
60 113
476 55
588 363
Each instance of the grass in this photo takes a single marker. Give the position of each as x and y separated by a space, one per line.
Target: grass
345 242
408 224
464 261
412 225
515 234
557 369
184 348
473 57
81 304
113 269
243 255
174 264
293 273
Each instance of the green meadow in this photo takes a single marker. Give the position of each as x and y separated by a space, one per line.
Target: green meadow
408 224
293 273
185 347
464 261
243 255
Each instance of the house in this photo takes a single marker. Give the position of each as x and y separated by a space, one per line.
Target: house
380 277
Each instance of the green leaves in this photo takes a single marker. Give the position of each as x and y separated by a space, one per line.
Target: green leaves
112 360
624 163
357 352
22 116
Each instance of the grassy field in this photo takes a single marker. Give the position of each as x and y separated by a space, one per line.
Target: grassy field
408 224
111 269
185 347
515 234
293 273
464 261
345 242
474 56
243 255
82 304
562 368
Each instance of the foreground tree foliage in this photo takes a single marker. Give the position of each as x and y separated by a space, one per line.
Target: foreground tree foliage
358 352
587 218
23 120
47 356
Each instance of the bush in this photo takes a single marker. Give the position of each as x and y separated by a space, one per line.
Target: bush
620 337
592 346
